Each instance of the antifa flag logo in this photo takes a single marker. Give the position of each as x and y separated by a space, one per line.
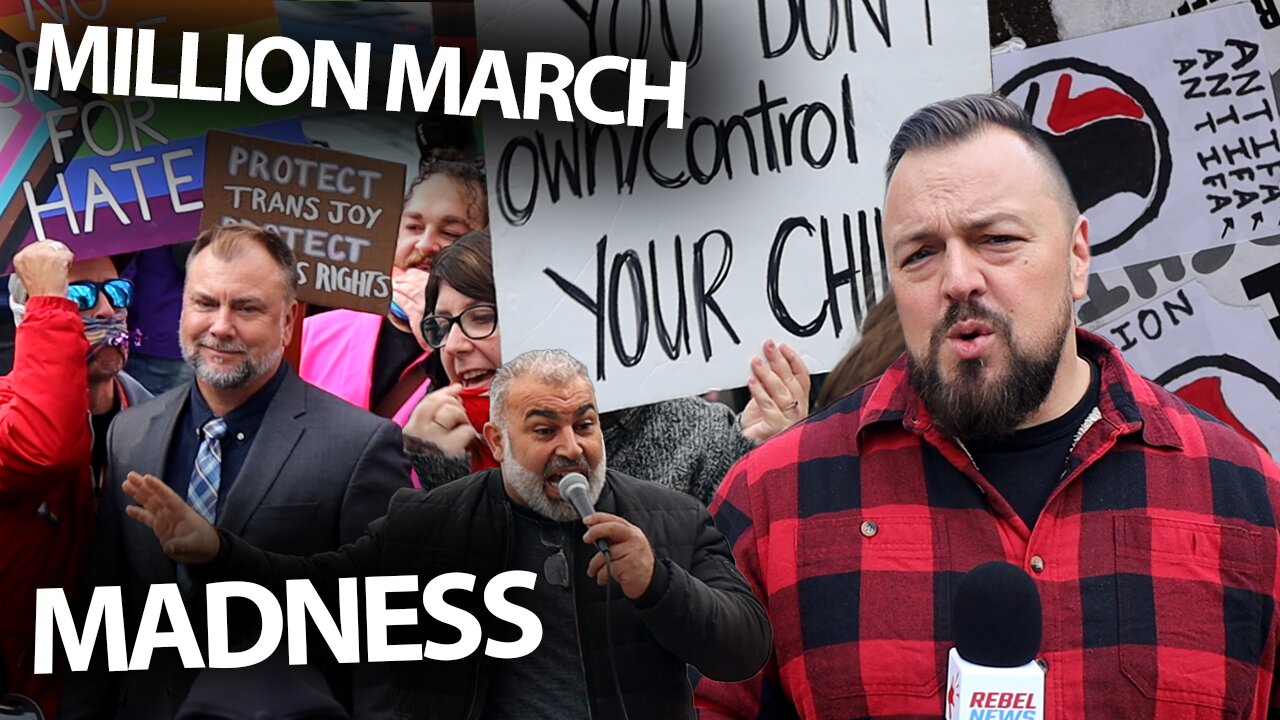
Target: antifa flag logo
1229 388
1109 136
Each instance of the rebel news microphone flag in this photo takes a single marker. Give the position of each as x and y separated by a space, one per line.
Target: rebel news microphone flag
995 621
573 487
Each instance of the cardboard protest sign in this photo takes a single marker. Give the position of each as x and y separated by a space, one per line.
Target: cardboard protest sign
1167 131
119 173
339 212
1205 325
664 258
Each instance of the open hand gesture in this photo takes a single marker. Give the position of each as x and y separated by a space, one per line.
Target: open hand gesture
779 386
184 534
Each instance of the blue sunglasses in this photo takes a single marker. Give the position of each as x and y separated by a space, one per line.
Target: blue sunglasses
85 293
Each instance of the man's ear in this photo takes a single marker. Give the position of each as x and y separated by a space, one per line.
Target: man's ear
1080 257
493 436
291 313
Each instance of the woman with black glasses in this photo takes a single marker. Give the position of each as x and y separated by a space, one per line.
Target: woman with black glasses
687 444
443 433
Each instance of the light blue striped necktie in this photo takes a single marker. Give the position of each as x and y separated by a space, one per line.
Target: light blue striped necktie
206 476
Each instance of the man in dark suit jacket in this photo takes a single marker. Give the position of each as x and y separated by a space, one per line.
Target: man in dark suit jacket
671 596
252 447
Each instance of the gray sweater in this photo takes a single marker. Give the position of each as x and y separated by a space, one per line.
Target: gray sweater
687 444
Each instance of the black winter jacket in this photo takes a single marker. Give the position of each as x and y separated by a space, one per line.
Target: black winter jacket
698 609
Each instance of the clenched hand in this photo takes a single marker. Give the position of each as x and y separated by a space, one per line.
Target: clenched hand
629 550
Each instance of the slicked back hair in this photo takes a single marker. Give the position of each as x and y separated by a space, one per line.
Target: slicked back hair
226 241
950 122
555 367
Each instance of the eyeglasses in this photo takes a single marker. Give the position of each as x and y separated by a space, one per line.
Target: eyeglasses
85 293
555 570
477 322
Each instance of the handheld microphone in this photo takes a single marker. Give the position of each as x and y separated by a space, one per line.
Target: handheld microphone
574 488
996 624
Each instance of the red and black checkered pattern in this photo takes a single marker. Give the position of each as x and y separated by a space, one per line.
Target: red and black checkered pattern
1159 551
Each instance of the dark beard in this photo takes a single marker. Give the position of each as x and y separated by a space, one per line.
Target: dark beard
977 406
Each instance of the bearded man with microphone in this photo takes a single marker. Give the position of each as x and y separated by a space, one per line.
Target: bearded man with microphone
1004 433
626 604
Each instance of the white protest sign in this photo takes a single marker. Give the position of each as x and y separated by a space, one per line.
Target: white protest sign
1245 274
1267 12
1168 131
1224 359
662 258
1233 291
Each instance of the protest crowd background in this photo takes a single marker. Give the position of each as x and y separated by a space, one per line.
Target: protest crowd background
290 319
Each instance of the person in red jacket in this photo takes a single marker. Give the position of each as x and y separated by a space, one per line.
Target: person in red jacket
46 503
103 299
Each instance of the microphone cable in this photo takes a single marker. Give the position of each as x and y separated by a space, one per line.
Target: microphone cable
573 487
608 632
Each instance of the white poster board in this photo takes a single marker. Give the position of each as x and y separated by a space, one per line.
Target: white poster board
1206 325
1222 358
664 261
1168 131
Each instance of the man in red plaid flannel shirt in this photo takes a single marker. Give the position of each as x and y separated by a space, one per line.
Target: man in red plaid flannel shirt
1004 433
